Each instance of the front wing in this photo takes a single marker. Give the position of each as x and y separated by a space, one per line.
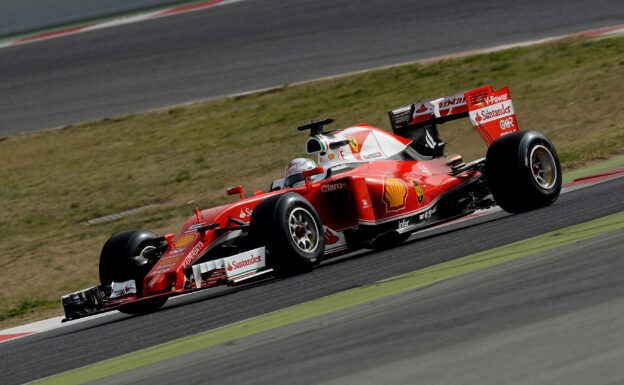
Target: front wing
230 271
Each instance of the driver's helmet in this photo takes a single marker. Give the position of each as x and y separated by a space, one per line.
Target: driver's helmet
294 176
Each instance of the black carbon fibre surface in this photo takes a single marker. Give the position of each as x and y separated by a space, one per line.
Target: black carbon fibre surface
56 351
256 44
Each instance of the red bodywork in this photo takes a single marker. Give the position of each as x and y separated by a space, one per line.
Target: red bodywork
371 190
377 192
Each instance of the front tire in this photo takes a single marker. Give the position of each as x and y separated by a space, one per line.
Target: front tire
121 260
523 171
292 232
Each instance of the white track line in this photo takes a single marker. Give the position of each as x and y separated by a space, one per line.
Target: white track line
122 20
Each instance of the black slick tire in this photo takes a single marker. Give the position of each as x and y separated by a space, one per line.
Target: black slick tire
120 261
523 171
292 232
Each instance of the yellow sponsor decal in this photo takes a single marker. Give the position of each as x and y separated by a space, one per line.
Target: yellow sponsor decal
420 195
184 240
354 144
394 194
168 261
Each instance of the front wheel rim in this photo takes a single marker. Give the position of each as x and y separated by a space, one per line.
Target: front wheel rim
303 230
543 167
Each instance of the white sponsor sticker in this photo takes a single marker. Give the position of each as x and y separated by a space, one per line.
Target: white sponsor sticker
331 187
121 289
245 263
245 212
334 239
507 123
493 112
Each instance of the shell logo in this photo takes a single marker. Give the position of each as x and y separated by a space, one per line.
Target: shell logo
394 194
184 240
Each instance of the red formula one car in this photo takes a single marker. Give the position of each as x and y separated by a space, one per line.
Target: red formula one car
370 189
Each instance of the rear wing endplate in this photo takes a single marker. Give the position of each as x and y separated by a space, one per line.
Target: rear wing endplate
491 112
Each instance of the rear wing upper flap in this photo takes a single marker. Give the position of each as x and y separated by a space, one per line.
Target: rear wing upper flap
435 111
491 112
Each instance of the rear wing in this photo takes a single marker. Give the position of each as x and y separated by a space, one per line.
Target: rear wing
491 112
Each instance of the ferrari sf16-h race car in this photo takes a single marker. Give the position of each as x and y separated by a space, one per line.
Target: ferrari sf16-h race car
370 189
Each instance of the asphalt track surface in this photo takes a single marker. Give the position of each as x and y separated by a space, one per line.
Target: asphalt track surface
255 44
570 283
20 16
525 322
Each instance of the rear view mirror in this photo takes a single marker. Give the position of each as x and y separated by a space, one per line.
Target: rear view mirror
236 190
308 173
315 171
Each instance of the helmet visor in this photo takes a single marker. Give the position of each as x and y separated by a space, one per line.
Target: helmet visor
291 180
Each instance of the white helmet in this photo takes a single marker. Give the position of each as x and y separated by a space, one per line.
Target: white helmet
294 176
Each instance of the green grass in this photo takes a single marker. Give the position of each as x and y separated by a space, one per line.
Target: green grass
54 180
601 167
27 307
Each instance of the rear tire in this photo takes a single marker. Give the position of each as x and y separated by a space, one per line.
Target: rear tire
523 171
121 261
292 232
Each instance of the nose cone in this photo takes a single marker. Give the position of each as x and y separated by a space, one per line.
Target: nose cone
158 284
